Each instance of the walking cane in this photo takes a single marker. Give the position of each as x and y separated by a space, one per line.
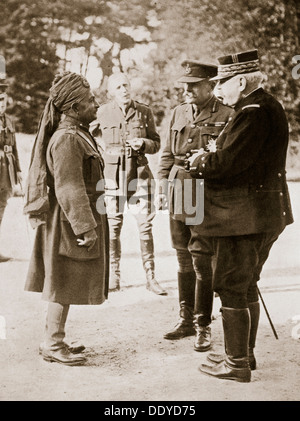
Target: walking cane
267 313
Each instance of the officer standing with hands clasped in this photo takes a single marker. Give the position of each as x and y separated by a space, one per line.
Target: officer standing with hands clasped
10 171
246 205
195 125
126 132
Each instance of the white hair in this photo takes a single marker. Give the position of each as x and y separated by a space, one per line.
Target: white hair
254 79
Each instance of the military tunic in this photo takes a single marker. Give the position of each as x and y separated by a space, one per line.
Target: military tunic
245 181
127 174
187 132
115 129
59 268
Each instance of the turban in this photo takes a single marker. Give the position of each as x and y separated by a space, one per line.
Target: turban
66 89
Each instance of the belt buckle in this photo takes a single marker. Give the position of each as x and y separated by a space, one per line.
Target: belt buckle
7 148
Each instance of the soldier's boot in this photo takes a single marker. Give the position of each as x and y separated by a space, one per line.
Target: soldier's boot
54 349
115 257
235 366
147 251
186 291
254 309
203 302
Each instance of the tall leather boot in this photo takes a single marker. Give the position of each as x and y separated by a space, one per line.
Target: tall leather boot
203 302
186 290
236 326
54 348
115 257
254 309
147 251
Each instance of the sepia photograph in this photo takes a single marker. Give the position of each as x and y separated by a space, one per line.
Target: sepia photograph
150 203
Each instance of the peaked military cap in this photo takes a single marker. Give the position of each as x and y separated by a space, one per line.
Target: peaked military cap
236 64
195 71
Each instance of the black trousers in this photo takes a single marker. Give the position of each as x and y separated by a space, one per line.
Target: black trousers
238 262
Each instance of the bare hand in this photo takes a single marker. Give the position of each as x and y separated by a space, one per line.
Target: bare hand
136 143
89 239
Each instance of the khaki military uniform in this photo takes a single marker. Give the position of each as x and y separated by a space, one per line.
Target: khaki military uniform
189 132
128 176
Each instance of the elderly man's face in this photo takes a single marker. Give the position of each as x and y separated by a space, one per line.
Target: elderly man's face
3 103
119 89
87 109
230 90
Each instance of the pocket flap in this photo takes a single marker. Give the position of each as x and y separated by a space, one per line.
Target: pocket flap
213 131
178 126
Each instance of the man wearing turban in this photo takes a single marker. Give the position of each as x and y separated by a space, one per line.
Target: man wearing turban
69 263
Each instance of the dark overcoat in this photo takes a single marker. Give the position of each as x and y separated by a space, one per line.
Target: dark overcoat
188 132
122 164
245 181
59 268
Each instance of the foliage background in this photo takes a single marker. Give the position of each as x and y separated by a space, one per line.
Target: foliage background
148 40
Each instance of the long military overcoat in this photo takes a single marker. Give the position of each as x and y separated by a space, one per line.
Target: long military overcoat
59 268
245 181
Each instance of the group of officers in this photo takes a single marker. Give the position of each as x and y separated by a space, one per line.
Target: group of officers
229 133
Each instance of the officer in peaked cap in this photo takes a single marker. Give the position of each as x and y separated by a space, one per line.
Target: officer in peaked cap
196 71
195 124
246 205
10 171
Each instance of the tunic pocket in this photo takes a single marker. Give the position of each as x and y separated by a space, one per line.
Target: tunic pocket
68 245
137 129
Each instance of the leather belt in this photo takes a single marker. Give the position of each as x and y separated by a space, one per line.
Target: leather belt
179 161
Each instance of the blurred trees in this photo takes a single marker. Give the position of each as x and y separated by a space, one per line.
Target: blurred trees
36 37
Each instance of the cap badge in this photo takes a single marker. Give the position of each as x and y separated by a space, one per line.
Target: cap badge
188 69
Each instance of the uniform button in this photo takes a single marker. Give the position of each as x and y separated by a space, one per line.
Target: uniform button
190 140
200 173
203 165
283 213
281 194
203 158
279 174
261 186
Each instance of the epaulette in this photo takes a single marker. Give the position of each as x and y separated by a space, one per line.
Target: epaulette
251 106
